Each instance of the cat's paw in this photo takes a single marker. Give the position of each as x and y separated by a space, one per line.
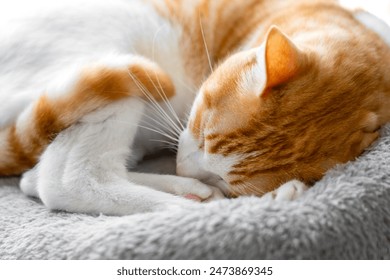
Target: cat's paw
286 192
216 195
29 181
204 193
194 189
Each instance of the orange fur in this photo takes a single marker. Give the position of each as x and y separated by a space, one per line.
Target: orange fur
97 87
325 101
325 96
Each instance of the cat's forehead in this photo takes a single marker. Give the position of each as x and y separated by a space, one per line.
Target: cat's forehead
233 75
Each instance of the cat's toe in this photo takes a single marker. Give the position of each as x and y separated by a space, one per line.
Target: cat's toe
286 192
28 182
290 191
194 189
216 195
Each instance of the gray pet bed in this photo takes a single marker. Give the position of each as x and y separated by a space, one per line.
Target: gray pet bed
345 215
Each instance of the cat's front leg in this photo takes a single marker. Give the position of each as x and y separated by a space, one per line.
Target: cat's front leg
94 125
29 181
83 169
187 187
80 90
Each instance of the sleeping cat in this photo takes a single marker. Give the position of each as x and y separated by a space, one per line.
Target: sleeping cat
277 93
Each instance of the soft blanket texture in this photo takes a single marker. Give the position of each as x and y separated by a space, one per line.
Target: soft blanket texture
345 215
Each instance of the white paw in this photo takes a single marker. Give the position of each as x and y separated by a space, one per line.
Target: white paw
286 192
216 195
193 189
28 183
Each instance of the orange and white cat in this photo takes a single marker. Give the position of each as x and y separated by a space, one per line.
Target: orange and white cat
285 91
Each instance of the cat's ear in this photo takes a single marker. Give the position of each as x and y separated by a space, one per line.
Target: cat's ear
283 60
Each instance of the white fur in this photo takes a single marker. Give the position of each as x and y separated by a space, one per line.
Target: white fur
375 24
44 50
259 71
84 170
38 55
254 81
291 190
214 169
196 163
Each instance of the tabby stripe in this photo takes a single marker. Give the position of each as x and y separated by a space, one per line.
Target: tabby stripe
23 143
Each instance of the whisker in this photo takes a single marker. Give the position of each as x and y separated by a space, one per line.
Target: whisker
167 144
241 189
163 125
155 104
167 103
170 107
175 133
154 41
166 100
205 44
193 90
164 141
156 130
159 132
157 108
254 189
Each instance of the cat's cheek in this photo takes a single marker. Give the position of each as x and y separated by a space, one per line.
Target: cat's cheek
190 166
187 146
189 156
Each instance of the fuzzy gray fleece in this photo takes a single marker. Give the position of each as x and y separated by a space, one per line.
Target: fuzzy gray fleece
344 216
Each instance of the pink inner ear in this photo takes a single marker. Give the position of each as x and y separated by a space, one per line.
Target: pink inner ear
283 59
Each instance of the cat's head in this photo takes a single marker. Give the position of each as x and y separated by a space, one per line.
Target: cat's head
279 112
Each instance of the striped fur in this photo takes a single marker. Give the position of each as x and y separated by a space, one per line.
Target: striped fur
24 141
320 95
287 90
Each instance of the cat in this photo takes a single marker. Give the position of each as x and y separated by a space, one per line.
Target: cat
276 93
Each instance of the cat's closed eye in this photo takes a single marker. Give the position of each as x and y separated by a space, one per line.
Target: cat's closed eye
276 94
284 110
